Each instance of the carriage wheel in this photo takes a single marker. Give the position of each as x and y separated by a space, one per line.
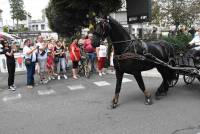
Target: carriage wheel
174 81
198 79
188 79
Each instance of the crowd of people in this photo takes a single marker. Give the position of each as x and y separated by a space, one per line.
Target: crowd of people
49 58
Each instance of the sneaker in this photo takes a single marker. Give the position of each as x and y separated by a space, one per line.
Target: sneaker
29 87
65 77
12 88
41 81
103 73
49 78
53 78
100 74
45 81
58 77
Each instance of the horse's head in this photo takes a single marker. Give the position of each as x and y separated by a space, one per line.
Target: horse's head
101 31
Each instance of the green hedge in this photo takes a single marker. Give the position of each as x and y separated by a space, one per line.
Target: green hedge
180 41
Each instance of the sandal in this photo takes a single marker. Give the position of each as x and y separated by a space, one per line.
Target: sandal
75 77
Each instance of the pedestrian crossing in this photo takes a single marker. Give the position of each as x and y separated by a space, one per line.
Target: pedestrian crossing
76 87
12 96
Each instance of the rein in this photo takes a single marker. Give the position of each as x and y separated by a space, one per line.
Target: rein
118 42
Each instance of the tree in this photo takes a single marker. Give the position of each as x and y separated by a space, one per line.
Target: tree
177 11
67 17
156 13
17 10
5 29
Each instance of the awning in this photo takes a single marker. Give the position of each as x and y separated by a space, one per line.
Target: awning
6 35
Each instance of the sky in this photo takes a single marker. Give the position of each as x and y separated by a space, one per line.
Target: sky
34 7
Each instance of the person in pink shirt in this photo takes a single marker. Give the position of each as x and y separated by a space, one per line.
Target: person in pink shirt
90 51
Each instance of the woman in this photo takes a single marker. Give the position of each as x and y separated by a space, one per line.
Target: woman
42 59
10 61
60 59
30 59
75 56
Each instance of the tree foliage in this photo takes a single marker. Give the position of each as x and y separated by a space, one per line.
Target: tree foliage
66 17
176 11
5 29
17 10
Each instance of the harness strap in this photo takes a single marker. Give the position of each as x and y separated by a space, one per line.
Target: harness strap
125 56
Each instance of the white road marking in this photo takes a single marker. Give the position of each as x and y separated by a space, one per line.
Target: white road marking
101 83
76 87
46 92
124 80
12 97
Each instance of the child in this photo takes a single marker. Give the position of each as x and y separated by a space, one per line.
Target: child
101 55
50 65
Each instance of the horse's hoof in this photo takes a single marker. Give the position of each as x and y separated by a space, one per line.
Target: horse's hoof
159 95
148 100
114 105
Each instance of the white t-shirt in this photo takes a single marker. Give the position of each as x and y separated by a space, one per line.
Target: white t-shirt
33 55
195 40
102 51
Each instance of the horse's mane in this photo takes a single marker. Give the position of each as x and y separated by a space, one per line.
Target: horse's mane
124 29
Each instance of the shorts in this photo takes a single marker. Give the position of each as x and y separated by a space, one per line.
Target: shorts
75 64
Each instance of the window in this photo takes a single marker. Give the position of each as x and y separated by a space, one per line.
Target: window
42 26
33 27
36 27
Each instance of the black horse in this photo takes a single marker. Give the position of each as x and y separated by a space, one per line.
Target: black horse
125 62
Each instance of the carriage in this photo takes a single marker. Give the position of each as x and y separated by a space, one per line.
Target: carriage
187 64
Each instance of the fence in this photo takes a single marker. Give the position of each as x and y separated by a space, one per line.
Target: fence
20 66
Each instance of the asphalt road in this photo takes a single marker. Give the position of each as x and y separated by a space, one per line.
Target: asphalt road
83 107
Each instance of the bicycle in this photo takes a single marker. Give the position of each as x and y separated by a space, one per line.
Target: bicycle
84 66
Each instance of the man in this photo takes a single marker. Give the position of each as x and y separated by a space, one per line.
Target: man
196 40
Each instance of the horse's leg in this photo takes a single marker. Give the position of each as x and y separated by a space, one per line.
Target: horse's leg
119 76
162 90
138 77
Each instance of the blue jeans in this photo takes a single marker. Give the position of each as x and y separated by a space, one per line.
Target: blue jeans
30 73
61 65
92 57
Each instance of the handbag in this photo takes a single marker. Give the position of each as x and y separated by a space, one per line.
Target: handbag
27 61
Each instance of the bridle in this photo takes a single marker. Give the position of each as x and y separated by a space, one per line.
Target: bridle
105 22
